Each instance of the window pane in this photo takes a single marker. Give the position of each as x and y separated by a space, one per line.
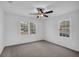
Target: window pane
64 29
32 28
24 28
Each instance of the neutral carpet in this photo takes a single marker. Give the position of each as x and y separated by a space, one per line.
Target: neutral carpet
38 49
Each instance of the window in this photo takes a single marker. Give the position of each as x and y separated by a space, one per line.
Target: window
27 28
24 28
64 29
32 28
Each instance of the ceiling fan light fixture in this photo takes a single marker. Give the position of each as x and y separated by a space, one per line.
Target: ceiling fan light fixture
41 15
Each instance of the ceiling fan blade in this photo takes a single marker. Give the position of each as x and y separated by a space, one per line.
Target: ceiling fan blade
45 15
48 12
40 10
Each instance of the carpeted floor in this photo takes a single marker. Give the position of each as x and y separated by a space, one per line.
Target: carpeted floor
38 49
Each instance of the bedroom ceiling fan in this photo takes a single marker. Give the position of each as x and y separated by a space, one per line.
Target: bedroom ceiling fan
41 13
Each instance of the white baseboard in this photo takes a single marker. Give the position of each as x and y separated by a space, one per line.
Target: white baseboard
68 47
11 44
1 49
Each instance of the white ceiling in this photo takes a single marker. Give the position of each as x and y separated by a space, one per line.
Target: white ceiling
25 7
